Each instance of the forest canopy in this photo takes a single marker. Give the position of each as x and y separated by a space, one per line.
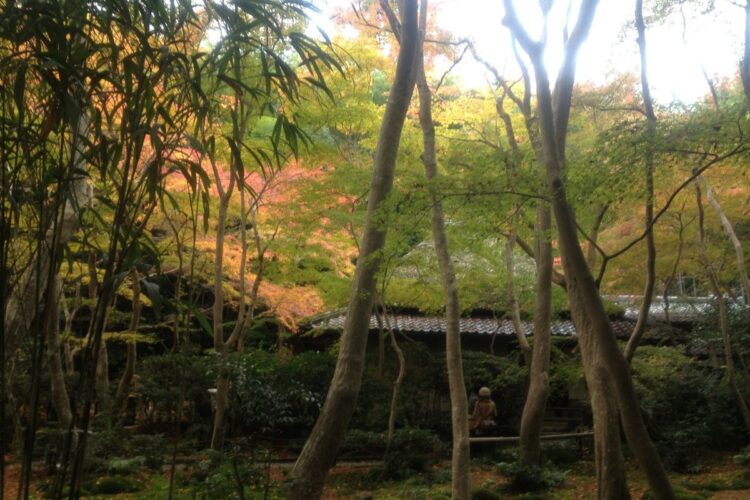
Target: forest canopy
193 192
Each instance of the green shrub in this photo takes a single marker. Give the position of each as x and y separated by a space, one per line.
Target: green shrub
279 397
151 447
485 494
103 447
743 457
112 485
687 406
531 477
225 474
174 377
505 376
411 450
125 466
361 444
562 453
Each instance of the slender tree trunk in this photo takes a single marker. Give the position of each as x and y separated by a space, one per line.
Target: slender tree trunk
723 315
58 391
586 304
594 236
399 377
732 234
532 417
515 310
745 63
309 473
675 266
648 292
461 480
222 383
123 387
102 377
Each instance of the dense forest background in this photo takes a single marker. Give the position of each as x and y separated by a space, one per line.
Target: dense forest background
184 191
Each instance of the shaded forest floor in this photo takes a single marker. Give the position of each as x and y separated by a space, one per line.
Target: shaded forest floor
719 478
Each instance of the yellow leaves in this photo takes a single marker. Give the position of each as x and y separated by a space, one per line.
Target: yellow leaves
290 304
129 337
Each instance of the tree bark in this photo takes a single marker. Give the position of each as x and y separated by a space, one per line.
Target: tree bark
515 310
732 234
222 384
594 236
58 390
586 304
123 387
648 292
745 63
317 456
383 319
461 479
673 274
713 279
532 417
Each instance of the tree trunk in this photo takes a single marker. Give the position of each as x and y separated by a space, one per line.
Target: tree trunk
309 473
515 310
745 63
585 302
461 480
723 315
648 293
123 388
58 391
383 318
222 383
611 479
594 236
675 266
532 417
736 243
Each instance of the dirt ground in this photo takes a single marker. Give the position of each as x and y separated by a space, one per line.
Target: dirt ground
720 479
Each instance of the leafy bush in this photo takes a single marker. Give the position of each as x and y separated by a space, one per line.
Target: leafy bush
688 407
276 396
360 444
743 457
531 477
505 376
226 474
125 466
566 371
411 450
176 376
112 485
562 453
103 447
485 494
151 447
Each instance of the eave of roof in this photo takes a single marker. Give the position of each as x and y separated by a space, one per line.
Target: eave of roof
416 324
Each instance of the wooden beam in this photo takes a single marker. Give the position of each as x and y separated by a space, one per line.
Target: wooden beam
544 437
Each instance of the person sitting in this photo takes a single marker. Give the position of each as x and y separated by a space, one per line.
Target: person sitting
482 421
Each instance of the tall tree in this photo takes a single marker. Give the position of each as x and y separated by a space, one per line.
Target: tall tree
586 304
317 456
648 292
460 477
532 417
713 280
